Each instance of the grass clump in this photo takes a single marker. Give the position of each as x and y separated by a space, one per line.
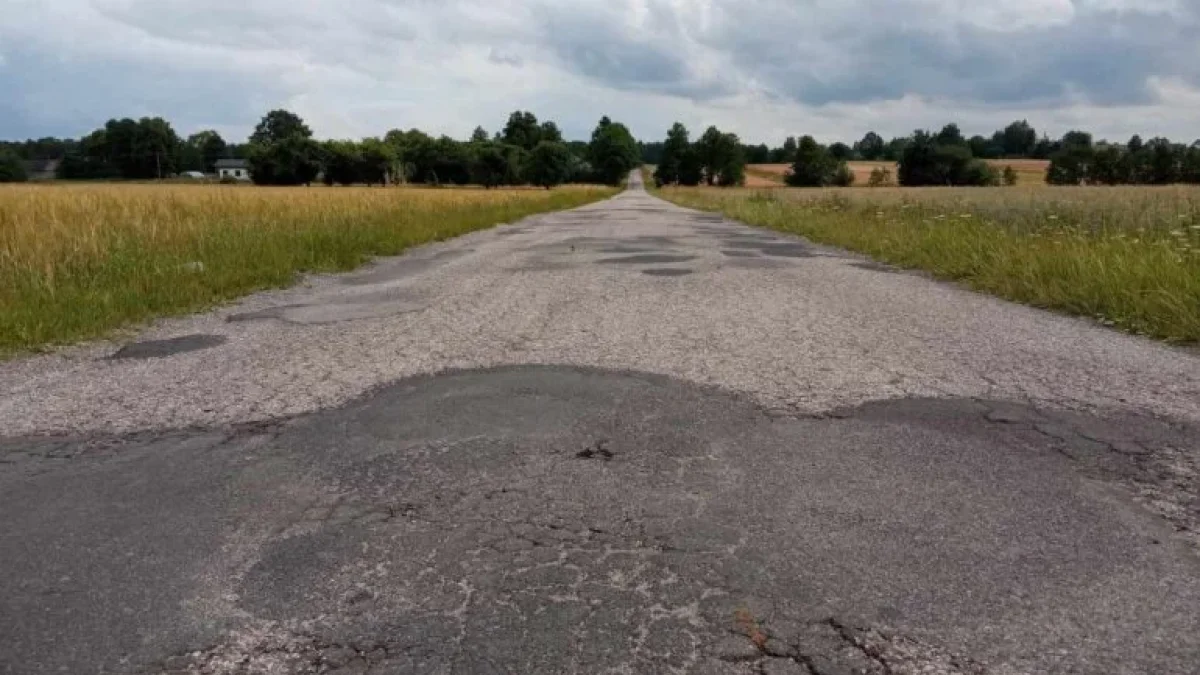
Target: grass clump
1128 256
77 261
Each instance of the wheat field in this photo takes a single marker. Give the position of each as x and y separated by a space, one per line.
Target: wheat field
77 261
1029 171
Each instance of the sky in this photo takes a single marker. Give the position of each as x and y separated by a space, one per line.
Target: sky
764 69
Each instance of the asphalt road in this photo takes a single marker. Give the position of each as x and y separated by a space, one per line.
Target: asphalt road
628 438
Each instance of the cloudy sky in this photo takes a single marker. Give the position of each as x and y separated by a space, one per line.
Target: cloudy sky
763 68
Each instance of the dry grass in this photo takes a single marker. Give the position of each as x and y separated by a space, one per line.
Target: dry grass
1127 256
79 260
1029 171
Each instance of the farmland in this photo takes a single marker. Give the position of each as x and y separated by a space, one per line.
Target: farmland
1127 256
79 260
1029 171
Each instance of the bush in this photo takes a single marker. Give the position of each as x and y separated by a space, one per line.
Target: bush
880 177
930 161
12 169
980 173
813 166
843 176
1009 176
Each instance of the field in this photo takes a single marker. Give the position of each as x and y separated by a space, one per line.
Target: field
77 261
1029 171
1127 256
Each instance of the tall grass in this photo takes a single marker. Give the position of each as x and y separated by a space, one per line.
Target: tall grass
1128 256
77 261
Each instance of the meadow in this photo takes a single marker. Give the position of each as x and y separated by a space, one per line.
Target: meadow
1029 171
77 261
1126 256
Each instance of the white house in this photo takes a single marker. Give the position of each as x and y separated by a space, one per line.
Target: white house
238 169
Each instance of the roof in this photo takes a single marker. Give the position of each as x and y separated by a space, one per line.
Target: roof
232 164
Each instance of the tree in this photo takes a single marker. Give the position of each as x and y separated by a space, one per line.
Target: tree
489 166
480 135
295 160
549 164
613 152
522 130
943 159
984 148
871 147
673 152
841 152
895 148
757 154
1163 160
549 132
721 153
207 147
813 166
279 125
950 135
341 162
1071 166
1016 140
691 169
378 162
12 168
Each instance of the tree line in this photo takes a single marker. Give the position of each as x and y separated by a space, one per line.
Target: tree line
926 158
282 151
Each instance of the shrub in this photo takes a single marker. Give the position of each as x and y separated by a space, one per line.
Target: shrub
12 169
1010 176
880 176
843 176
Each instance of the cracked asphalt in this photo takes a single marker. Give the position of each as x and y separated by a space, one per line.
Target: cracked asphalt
628 438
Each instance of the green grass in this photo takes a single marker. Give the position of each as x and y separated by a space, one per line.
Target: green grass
78 261
1129 257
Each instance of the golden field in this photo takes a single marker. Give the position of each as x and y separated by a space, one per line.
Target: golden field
1128 256
1029 171
79 260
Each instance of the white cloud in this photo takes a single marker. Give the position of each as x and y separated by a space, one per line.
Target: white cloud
764 68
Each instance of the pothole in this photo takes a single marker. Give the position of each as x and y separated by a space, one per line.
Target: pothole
156 349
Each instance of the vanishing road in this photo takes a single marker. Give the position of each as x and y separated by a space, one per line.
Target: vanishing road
628 438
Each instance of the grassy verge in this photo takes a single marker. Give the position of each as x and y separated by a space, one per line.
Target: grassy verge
79 261
1129 257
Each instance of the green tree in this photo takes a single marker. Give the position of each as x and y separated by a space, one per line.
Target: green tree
341 162
1016 140
522 130
951 135
613 152
295 160
813 166
549 164
943 159
206 147
720 152
489 165
279 125
480 135
1071 166
841 152
871 147
549 132
12 168
379 162
673 150
691 169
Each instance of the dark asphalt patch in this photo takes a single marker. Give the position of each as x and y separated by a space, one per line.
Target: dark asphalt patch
739 254
157 349
449 523
667 272
647 259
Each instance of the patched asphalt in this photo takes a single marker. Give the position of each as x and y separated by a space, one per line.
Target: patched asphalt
507 455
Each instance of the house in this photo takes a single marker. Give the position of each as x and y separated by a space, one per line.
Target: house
238 169
42 169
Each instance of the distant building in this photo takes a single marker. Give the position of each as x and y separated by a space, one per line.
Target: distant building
238 169
42 169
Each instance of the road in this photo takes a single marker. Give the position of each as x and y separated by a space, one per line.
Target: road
628 438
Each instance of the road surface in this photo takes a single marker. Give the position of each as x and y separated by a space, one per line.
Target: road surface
628 438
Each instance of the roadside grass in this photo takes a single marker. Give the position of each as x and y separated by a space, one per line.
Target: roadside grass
77 261
1127 256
